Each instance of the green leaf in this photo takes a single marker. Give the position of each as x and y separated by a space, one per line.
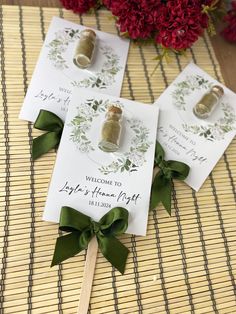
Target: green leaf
128 162
126 167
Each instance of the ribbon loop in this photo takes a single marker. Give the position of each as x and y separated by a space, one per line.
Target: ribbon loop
162 183
82 228
71 220
115 221
47 121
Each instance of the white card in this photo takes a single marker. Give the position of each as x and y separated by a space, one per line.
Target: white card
197 142
93 181
56 75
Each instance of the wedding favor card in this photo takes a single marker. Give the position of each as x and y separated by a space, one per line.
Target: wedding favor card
56 75
93 181
199 143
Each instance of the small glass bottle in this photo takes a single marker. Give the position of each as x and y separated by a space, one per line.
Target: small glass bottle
204 108
111 130
85 49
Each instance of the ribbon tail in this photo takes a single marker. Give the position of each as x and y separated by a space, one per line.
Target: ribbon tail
45 143
114 251
161 192
166 197
66 247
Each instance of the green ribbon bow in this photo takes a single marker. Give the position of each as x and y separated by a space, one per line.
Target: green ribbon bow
47 121
162 183
82 229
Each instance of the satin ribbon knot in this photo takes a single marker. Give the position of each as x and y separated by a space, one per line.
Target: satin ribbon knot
162 183
163 166
47 121
81 229
95 226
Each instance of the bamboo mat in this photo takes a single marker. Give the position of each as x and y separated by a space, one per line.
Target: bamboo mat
185 264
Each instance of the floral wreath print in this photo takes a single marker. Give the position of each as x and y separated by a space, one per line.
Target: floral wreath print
128 161
210 131
100 79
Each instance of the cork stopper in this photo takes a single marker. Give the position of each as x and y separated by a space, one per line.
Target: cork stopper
218 90
115 109
89 33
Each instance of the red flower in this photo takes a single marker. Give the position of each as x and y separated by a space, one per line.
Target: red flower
107 3
181 23
138 18
175 24
229 32
79 6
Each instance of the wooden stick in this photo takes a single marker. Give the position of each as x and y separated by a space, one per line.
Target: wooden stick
87 282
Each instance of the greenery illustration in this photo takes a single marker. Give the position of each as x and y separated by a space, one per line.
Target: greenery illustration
126 162
82 123
135 157
186 87
100 79
217 130
58 46
106 76
209 131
